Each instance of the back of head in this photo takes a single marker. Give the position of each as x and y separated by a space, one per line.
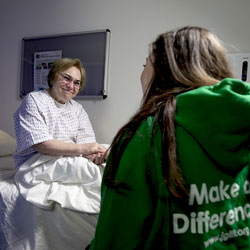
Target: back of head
186 58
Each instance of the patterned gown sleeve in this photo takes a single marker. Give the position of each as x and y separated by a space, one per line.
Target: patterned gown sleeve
30 125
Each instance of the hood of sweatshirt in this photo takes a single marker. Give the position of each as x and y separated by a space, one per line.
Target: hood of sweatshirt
215 121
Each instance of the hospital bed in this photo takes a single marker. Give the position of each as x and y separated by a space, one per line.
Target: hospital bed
25 226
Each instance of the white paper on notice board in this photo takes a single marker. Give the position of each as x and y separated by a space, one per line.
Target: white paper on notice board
42 65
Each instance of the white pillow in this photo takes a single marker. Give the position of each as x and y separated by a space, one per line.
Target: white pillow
7 144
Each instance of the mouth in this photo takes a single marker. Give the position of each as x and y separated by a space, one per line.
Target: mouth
68 91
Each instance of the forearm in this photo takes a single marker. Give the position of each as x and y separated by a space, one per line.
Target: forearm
58 148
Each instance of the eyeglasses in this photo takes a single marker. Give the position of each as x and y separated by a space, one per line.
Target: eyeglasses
68 79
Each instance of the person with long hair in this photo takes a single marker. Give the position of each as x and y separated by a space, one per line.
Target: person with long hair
177 175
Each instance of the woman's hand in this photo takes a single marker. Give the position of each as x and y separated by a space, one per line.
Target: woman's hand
91 149
100 157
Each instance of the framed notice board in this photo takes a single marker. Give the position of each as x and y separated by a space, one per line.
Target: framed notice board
92 48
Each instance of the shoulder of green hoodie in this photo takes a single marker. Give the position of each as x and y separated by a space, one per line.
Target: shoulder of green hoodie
218 118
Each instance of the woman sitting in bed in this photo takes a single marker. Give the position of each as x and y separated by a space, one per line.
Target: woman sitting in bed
50 122
54 130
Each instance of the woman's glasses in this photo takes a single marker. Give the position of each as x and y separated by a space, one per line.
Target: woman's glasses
67 79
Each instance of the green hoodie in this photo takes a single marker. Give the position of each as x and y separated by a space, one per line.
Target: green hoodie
212 135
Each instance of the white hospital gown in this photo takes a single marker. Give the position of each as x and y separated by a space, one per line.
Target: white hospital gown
40 118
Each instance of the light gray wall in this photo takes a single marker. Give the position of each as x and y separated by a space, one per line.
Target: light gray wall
133 24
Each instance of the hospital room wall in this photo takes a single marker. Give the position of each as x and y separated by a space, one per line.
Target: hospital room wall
133 24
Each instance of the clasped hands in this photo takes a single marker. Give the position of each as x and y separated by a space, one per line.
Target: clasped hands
97 153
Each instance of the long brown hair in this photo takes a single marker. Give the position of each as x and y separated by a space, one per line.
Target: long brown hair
183 59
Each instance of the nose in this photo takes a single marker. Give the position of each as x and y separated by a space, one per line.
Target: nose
70 84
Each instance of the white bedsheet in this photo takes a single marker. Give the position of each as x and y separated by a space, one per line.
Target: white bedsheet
72 182
24 226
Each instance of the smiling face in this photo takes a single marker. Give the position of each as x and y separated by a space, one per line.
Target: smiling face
64 86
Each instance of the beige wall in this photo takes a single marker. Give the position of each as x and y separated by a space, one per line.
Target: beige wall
133 24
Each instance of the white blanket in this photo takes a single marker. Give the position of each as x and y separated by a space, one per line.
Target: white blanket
73 182
24 226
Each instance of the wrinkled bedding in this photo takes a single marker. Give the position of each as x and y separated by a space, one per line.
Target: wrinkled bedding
72 182
58 207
